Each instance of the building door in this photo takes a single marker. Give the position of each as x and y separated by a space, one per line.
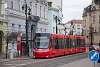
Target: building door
0 41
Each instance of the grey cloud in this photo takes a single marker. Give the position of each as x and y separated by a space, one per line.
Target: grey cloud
74 8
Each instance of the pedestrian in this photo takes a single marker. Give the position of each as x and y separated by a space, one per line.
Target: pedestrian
19 48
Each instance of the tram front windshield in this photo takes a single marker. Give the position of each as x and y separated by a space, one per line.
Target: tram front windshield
41 42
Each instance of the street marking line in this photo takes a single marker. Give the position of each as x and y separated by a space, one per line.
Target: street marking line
20 64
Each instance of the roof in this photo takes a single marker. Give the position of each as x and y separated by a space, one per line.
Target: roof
75 21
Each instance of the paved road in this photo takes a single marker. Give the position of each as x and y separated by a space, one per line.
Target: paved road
53 62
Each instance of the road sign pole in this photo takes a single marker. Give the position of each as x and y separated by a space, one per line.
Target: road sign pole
94 64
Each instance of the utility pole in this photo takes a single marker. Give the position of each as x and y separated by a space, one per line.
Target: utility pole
91 35
56 25
26 29
71 28
26 7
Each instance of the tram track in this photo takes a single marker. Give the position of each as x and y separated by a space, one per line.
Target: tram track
54 62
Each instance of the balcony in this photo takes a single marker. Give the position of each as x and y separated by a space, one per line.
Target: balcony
3 17
97 1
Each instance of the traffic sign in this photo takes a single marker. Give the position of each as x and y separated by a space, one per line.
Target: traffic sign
93 56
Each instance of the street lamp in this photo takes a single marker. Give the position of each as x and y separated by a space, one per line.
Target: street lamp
26 7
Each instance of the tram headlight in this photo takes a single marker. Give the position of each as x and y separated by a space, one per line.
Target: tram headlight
46 50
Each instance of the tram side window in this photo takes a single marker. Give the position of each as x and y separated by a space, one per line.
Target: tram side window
82 42
67 43
72 43
56 43
77 42
60 43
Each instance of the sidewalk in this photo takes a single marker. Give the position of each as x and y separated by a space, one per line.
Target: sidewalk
14 59
81 63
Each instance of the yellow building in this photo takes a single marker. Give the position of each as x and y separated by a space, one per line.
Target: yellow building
3 27
91 18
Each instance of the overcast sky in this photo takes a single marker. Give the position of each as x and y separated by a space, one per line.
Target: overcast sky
74 9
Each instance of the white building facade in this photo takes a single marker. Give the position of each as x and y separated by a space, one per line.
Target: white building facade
16 16
54 10
75 26
17 20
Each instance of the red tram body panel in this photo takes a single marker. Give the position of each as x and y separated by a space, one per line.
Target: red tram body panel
77 44
82 44
48 45
72 45
67 46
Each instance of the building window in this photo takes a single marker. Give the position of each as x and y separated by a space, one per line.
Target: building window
13 27
99 18
37 29
30 3
78 28
50 4
19 5
36 9
40 11
41 29
94 19
85 20
0 6
11 4
44 30
99 29
1 23
85 24
53 29
44 12
84 32
99 6
19 28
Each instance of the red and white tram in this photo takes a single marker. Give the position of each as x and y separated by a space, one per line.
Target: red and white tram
48 45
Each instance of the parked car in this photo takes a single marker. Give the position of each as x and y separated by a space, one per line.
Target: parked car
94 47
